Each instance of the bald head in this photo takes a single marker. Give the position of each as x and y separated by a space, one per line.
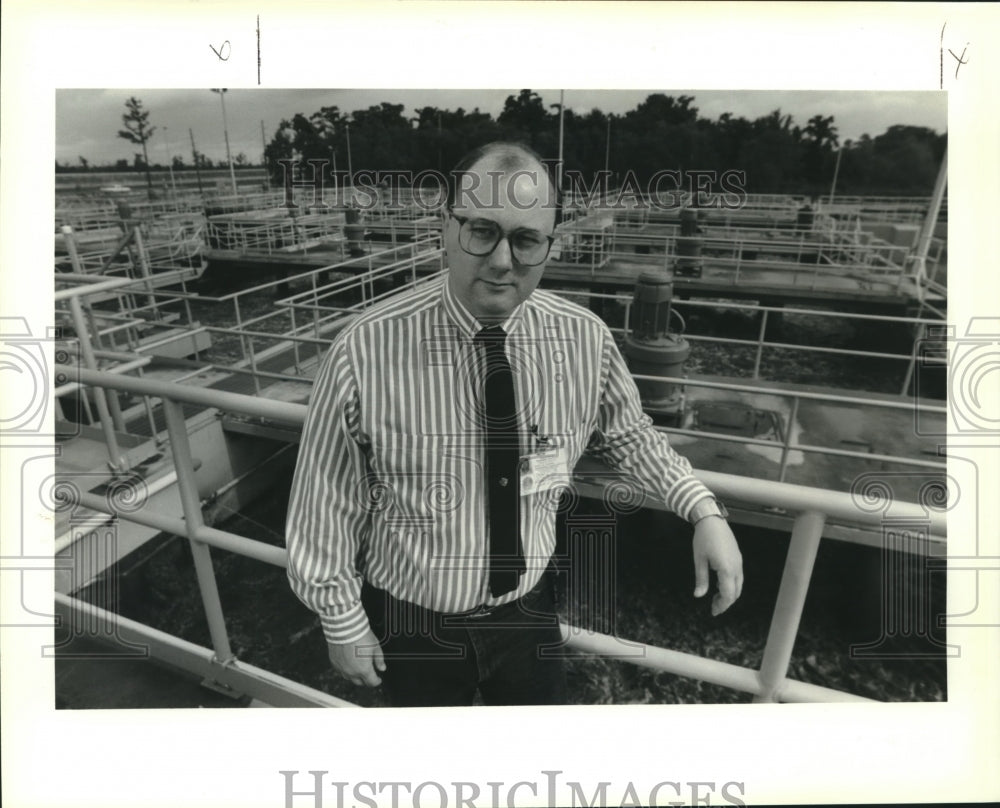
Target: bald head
499 170
498 229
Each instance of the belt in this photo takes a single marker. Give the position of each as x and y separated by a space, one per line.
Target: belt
485 609
480 611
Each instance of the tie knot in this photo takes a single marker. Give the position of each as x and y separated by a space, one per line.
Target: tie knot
491 335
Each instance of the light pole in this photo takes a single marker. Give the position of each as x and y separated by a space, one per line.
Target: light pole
559 165
170 165
607 147
350 170
836 171
263 157
197 164
225 131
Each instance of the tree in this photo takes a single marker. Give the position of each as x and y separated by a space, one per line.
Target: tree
524 116
821 131
84 162
661 132
280 148
200 160
137 130
820 138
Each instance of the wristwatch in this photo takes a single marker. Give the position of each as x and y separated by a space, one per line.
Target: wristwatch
707 506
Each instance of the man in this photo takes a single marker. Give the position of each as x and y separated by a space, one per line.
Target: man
441 425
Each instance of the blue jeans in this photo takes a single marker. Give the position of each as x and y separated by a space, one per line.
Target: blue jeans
511 655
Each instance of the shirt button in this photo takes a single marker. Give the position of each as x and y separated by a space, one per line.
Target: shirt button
503 481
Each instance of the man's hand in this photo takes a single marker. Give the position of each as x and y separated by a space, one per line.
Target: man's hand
358 661
715 547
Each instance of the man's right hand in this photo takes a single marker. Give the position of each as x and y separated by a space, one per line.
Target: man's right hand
358 661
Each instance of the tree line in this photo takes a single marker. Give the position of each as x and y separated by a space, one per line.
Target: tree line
778 154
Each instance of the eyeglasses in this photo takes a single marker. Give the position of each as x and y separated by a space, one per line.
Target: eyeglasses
480 237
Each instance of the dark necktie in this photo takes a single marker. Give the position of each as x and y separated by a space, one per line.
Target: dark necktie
503 456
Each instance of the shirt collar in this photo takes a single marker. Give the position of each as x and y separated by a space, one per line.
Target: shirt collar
467 324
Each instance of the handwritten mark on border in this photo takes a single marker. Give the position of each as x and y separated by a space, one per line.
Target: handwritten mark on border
225 46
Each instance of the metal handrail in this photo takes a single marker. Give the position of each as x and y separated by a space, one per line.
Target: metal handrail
769 683
295 337
757 492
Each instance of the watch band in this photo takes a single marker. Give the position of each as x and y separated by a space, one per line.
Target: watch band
708 506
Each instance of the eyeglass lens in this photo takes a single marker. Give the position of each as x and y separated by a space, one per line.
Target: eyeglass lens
481 236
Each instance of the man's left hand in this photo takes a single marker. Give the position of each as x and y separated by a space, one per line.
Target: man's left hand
715 547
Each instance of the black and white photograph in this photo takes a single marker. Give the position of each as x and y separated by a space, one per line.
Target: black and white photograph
786 283
585 413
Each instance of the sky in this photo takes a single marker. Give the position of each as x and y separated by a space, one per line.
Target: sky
905 753
88 120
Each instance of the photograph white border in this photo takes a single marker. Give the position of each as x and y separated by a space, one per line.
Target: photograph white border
782 753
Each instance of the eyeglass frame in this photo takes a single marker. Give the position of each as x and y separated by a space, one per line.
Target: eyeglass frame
504 234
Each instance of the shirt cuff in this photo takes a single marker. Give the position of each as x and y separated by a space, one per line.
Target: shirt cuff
694 492
345 627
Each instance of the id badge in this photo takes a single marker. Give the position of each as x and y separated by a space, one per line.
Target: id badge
545 470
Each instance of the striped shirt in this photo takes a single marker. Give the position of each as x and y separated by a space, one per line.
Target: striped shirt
389 486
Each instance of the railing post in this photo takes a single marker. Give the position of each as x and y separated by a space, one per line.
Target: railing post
253 366
367 287
143 261
295 342
83 334
802 547
760 344
116 460
149 414
792 416
911 365
193 519
315 313
111 396
190 319
239 326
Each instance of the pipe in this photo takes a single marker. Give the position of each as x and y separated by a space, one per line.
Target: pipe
238 676
231 542
67 538
764 492
933 211
91 287
283 411
116 460
125 368
190 502
679 663
802 548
